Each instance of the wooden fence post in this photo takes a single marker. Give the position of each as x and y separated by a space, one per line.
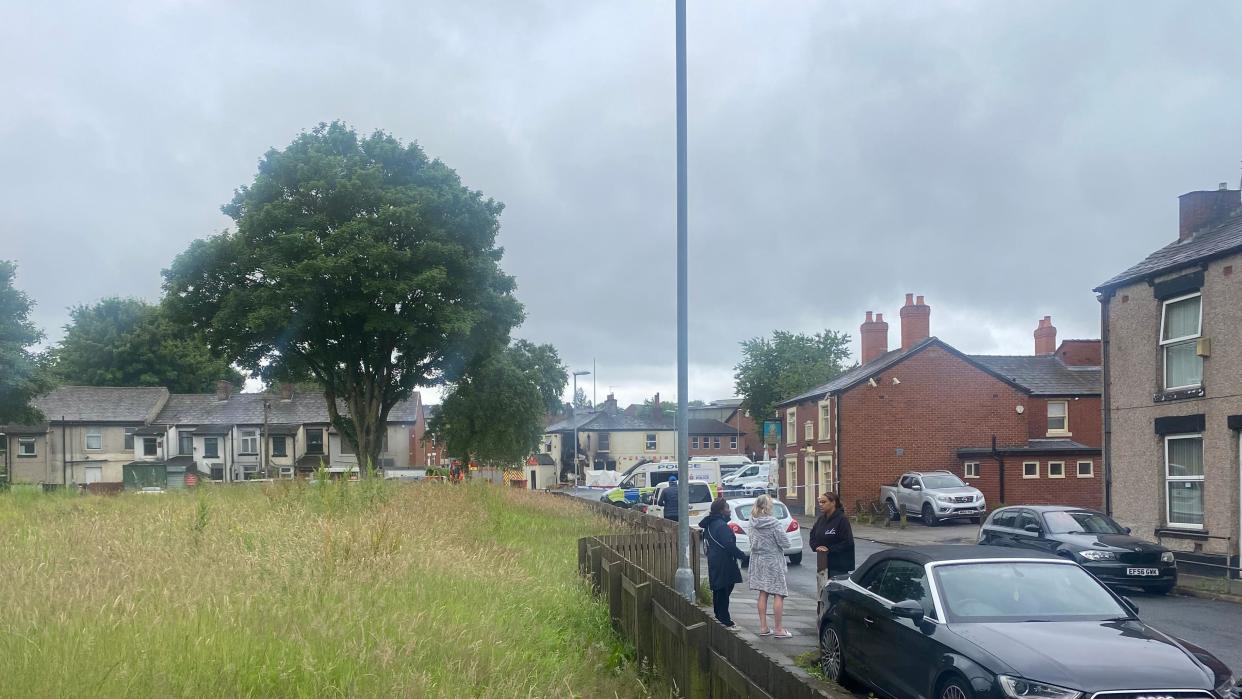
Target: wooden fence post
612 574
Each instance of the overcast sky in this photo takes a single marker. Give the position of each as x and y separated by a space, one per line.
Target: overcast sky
999 158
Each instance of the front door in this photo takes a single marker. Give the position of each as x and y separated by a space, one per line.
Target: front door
825 473
94 474
791 479
810 494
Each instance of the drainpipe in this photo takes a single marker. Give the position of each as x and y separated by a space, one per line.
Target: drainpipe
1000 462
232 455
836 441
1105 299
64 454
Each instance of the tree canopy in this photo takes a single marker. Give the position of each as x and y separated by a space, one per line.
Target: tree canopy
494 413
128 342
22 375
359 262
785 365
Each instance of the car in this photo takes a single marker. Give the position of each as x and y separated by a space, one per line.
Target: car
1090 538
752 480
739 523
984 622
934 496
701 495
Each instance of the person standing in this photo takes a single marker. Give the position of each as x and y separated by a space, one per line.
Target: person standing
722 557
832 540
768 542
668 499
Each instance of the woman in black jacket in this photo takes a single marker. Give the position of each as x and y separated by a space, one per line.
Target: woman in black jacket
722 557
832 539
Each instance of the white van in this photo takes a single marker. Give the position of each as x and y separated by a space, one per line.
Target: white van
729 463
753 480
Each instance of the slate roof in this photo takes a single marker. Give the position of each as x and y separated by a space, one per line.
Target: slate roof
859 373
1045 375
1222 240
247 409
100 403
606 421
700 426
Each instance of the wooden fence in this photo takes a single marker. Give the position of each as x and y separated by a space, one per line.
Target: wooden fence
677 639
658 555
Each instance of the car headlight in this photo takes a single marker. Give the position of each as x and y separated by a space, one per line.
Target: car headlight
1168 557
1098 555
944 498
1018 688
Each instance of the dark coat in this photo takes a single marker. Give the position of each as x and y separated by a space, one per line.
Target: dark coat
835 533
722 553
669 500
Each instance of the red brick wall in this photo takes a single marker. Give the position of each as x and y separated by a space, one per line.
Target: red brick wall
752 439
1081 353
1070 490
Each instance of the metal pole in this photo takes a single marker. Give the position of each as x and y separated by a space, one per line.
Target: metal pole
573 417
684 579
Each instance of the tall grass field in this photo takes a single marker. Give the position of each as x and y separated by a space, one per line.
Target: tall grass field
299 589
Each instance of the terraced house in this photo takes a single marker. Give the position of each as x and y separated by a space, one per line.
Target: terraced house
1172 330
115 435
1022 429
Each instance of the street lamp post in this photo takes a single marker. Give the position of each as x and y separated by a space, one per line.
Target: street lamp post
684 579
573 416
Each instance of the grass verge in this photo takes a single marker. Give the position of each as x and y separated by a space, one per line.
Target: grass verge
303 590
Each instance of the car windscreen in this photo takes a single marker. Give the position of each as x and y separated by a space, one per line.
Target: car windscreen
996 591
778 511
942 481
699 493
1081 523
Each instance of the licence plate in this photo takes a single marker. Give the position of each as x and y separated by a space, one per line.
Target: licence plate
1142 572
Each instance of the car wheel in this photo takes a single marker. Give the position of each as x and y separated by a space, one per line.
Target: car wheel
893 513
832 655
953 688
929 515
796 559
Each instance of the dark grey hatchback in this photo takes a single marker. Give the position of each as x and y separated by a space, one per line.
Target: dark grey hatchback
1089 538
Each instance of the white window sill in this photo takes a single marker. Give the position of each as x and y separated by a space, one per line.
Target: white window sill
1059 433
1029 478
1086 475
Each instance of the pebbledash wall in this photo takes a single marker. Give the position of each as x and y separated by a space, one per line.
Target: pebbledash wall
928 403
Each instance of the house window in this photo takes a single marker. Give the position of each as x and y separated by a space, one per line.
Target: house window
651 442
791 426
715 442
808 431
129 438
347 447
972 469
694 442
1180 328
94 440
278 445
1056 469
1058 417
825 421
211 449
605 441
1086 469
185 443
1030 469
26 446
314 441
249 442
1183 457
149 446
733 442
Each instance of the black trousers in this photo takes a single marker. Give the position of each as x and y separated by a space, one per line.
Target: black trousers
720 604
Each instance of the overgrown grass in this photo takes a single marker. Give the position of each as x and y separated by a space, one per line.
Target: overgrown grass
302 590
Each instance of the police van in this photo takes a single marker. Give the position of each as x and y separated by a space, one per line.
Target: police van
642 479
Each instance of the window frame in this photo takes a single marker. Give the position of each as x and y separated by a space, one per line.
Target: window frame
791 425
694 442
1168 501
733 441
1058 463
1065 426
716 442
181 441
243 439
22 443
213 441
322 446
1024 473
86 439
283 452
825 420
154 445
966 469
651 441
129 438
1090 472
1166 344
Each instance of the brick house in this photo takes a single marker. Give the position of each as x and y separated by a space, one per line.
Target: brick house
1172 331
1022 429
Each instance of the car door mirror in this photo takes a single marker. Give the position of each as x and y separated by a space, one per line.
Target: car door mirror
1130 605
909 609
1032 528
915 486
1127 529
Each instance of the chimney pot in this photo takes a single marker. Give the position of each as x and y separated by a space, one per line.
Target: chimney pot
915 322
909 299
919 301
874 337
879 317
869 318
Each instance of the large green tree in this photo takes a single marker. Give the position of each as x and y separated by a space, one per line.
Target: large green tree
359 262
22 375
785 365
494 413
128 342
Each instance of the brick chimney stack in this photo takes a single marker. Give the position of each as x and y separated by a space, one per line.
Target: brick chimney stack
874 334
1045 336
286 391
915 322
1200 210
223 389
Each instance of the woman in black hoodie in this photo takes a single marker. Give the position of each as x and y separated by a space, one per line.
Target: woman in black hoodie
832 539
722 557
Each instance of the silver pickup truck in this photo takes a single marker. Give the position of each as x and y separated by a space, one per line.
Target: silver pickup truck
934 496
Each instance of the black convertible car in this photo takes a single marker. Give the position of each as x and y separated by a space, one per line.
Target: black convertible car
981 622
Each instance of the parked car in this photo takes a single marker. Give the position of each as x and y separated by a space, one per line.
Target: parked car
934 496
752 480
979 622
701 495
1090 538
739 522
